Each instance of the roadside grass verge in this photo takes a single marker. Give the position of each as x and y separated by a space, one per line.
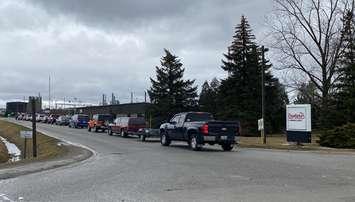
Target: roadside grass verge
47 147
278 141
4 157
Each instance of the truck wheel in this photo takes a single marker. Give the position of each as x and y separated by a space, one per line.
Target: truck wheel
227 147
164 140
123 134
109 131
193 144
142 138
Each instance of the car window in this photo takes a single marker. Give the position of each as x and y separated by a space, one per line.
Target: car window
175 119
198 117
137 121
105 117
83 117
116 121
181 120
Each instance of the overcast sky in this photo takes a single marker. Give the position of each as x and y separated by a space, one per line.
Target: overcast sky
91 47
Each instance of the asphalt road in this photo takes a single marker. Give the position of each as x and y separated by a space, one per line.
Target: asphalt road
125 169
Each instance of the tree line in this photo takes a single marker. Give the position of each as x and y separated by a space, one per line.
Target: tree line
315 42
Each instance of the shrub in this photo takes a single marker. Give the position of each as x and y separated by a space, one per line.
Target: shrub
339 137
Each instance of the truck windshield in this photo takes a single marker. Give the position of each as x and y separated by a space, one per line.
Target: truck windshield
83 117
136 121
105 118
198 117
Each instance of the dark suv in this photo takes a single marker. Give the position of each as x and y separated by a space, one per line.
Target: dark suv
79 121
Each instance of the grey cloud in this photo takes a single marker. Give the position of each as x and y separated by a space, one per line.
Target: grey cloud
93 47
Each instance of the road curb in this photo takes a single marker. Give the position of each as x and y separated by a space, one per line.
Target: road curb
77 153
324 150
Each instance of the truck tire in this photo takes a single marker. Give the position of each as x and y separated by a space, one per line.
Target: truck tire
142 138
123 134
193 143
109 132
164 140
227 147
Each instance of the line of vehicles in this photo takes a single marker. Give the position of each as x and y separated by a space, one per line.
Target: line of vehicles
195 128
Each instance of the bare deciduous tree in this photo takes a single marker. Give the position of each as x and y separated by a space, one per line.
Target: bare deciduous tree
309 36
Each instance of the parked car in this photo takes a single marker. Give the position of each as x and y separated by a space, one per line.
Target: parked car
40 117
78 121
62 121
44 119
100 122
20 116
52 118
126 126
145 133
28 117
199 128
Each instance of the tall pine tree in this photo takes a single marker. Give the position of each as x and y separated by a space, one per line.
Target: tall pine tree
346 86
240 93
208 96
169 92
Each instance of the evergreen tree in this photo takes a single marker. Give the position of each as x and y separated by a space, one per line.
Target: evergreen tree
208 96
308 93
346 85
240 93
170 93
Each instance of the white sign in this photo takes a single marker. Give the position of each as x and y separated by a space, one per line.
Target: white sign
261 124
298 117
26 133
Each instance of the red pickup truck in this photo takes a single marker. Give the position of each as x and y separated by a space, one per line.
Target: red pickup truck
126 126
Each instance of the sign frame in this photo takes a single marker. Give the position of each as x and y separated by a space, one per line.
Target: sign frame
27 134
260 124
299 123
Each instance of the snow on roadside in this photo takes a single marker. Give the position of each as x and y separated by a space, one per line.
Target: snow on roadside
13 150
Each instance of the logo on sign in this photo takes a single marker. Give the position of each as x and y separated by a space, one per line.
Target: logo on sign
296 116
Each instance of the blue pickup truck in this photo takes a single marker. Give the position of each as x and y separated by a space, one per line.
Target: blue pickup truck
198 129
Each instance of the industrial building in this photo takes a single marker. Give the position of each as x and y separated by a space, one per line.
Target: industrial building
129 109
16 107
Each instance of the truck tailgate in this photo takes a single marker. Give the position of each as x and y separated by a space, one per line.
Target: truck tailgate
219 128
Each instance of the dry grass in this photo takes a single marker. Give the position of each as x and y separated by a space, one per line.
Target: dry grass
4 157
277 142
46 146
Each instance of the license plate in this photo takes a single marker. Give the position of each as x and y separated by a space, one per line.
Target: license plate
224 137
209 138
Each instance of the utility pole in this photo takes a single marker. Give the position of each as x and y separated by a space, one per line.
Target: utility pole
263 135
131 97
49 92
145 96
34 134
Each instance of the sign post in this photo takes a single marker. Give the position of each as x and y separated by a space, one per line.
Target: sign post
34 140
261 129
298 123
26 134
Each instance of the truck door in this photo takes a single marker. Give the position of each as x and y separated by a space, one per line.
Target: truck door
180 129
172 126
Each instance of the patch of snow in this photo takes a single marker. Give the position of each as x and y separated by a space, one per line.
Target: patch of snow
13 150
